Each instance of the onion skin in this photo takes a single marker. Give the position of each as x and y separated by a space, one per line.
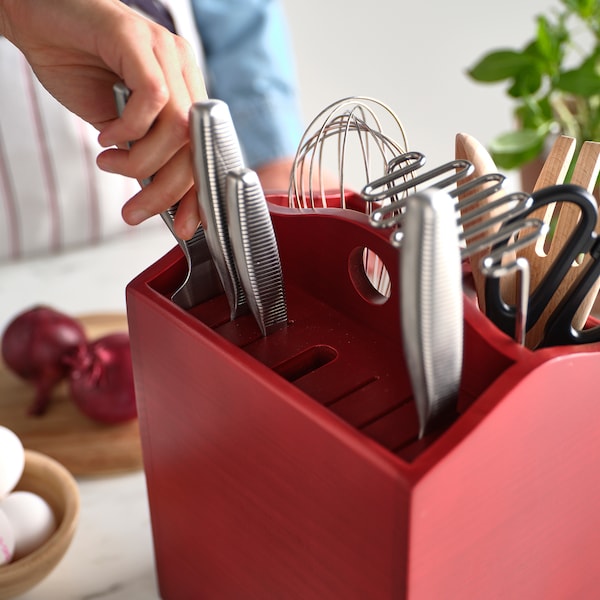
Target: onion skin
37 345
101 380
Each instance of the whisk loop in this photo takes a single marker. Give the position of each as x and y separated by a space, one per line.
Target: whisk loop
353 118
353 123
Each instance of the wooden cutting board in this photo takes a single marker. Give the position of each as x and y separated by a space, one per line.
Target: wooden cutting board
82 445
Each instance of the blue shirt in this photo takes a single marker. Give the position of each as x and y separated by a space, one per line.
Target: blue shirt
249 65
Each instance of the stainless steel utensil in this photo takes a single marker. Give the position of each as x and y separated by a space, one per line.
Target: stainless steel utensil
255 249
432 304
392 186
493 233
501 261
349 132
216 151
197 287
469 148
482 224
353 138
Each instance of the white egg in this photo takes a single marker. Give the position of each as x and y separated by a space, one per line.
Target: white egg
12 460
7 539
32 520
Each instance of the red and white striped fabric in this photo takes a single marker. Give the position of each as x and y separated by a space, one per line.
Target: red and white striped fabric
52 195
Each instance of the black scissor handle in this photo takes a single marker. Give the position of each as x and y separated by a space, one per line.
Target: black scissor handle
580 241
559 330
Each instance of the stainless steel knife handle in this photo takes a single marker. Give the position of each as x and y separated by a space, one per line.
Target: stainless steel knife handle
432 304
255 249
216 151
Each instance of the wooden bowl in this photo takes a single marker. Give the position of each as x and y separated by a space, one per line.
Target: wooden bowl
47 478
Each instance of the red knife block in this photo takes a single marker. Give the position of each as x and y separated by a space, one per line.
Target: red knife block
288 467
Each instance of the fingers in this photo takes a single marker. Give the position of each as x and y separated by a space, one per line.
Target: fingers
172 184
140 113
162 75
163 150
187 219
131 51
148 155
79 49
167 133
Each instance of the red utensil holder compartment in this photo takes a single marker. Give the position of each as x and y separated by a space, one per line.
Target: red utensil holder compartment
288 467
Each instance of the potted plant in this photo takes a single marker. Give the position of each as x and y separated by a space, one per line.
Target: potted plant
554 81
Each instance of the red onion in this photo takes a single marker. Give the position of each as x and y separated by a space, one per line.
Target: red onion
37 345
101 380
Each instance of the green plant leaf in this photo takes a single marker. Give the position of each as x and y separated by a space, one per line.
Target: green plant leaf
548 41
515 148
500 65
526 82
583 8
534 113
550 91
583 81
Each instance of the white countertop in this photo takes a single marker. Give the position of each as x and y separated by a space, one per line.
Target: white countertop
111 557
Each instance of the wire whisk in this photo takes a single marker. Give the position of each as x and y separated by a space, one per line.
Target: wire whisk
357 123
349 143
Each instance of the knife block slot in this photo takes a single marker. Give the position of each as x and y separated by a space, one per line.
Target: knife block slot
306 362
289 466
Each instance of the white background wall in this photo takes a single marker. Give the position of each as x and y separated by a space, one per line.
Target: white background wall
412 56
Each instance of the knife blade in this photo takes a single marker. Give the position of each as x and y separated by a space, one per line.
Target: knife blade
216 151
432 304
255 249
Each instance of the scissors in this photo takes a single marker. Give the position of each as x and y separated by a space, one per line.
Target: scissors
582 240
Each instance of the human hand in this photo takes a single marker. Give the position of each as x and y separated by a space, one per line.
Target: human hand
78 50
